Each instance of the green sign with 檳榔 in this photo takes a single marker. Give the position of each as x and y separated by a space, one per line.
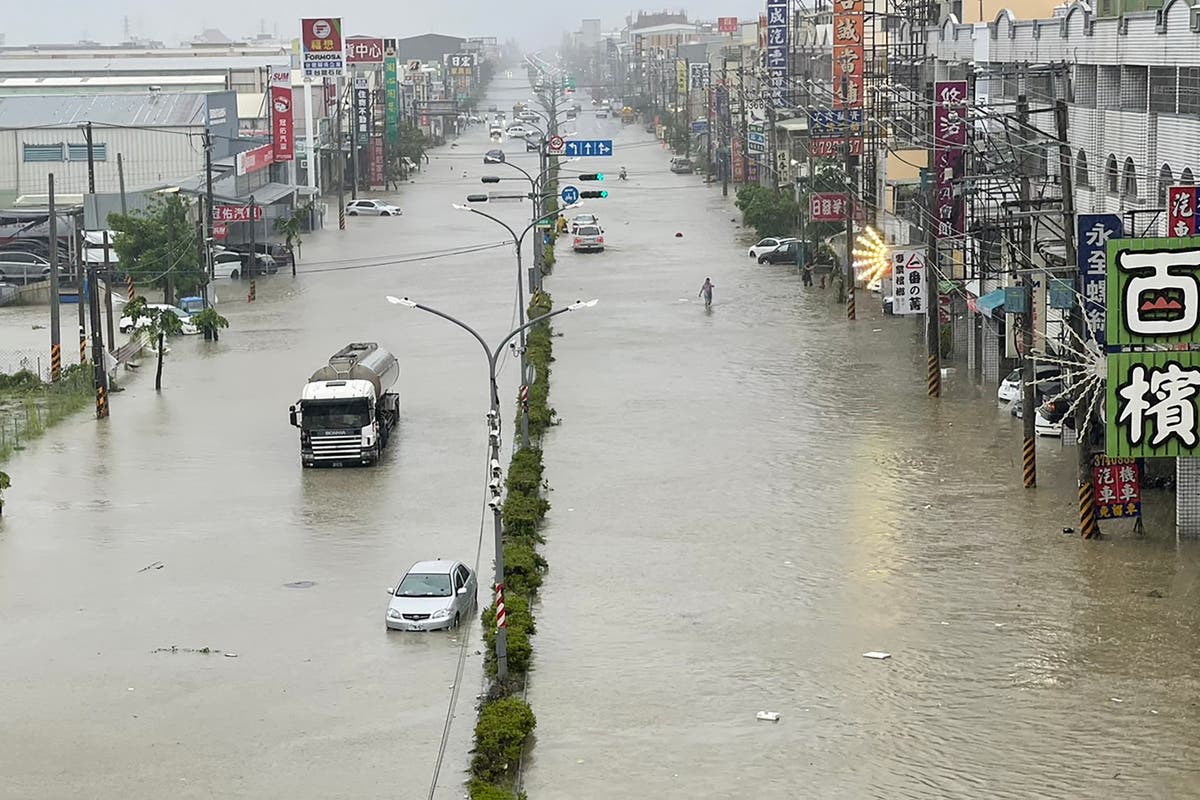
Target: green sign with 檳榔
1151 404
1153 291
391 98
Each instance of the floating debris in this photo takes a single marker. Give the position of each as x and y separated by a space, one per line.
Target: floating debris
300 585
155 565
767 716
877 655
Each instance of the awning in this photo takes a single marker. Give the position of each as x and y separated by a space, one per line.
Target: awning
990 302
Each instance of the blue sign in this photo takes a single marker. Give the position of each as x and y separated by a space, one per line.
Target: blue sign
700 126
838 123
1094 231
588 147
570 195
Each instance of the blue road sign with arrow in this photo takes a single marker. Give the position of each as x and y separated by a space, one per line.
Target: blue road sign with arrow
570 195
588 147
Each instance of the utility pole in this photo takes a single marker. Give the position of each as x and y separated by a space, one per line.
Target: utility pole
55 329
341 159
742 131
933 337
724 124
100 378
253 258
354 111
1089 528
121 183
1028 374
851 193
80 282
209 208
91 157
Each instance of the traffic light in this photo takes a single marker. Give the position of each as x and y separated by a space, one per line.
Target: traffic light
490 179
477 198
593 195
592 176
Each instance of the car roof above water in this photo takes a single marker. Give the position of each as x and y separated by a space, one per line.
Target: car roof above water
439 566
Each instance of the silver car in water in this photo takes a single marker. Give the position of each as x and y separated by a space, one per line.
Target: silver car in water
432 595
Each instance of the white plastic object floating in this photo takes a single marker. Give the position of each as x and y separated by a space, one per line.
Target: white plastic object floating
877 655
767 716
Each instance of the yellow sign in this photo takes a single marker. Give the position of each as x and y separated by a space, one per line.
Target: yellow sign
681 75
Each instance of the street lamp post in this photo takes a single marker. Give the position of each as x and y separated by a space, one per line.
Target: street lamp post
493 418
518 242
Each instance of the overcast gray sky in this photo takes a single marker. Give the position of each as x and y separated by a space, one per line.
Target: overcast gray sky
533 22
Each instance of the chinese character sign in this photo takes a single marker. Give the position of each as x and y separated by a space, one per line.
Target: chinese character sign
698 76
362 107
282 120
1181 210
681 76
949 157
1092 234
848 53
322 50
392 90
364 50
1118 486
727 24
236 213
826 207
1151 404
908 282
1153 291
776 52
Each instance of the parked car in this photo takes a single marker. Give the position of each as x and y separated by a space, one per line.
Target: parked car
232 264
276 254
517 131
682 166
432 595
16 267
786 252
1010 387
588 238
580 220
493 157
602 113
764 246
372 208
1043 393
1050 418
126 325
533 142
529 116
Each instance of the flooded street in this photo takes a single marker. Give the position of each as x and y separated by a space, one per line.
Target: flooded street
744 502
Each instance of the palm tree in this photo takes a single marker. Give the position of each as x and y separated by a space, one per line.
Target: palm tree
291 228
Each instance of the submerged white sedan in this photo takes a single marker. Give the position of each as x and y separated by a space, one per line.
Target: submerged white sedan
432 595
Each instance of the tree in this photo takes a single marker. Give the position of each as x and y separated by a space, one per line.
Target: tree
291 228
770 213
157 247
210 323
162 323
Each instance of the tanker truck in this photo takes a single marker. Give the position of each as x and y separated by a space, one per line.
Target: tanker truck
345 412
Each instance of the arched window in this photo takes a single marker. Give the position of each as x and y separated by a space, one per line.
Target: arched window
1129 187
1165 179
1081 170
1110 174
1185 177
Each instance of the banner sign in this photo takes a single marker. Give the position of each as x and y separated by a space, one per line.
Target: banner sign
322 50
681 74
908 282
236 213
377 173
837 123
727 24
827 148
1153 292
848 65
282 119
1181 211
949 156
739 159
756 138
777 47
1092 235
392 92
362 107
364 50
827 207
461 64
253 160
1118 486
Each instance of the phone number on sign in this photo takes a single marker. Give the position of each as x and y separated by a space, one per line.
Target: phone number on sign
818 148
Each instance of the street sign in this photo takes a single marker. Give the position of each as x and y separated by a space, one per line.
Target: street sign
570 195
908 282
588 147
756 139
223 213
555 145
827 207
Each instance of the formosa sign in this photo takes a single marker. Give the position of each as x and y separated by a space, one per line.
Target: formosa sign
322 49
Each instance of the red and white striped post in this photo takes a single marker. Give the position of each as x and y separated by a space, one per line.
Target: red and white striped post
500 620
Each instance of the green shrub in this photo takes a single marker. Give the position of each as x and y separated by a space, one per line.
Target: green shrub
525 471
523 568
500 735
20 381
520 626
482 790
522 513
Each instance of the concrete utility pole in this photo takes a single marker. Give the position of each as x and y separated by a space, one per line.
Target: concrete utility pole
252 261
851 192
55 310
1089 528
100 377
1028 373
341 160
209 211
80 281
933 336
121 183
725 123
354 130
310 148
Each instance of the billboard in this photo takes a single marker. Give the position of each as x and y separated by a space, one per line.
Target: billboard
362 107
322 49
392 92
949 156
282 118
364 50
727 24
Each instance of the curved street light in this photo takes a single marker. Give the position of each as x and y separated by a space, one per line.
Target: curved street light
493 417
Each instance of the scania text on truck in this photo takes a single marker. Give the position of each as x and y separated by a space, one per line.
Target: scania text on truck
345 412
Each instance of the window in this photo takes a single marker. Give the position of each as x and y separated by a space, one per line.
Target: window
1129 187
1081 170
32 153
1085 85
1108 86
1189 90
78 152
1185 177
1110 174
1164 89
1165 178
1134 81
